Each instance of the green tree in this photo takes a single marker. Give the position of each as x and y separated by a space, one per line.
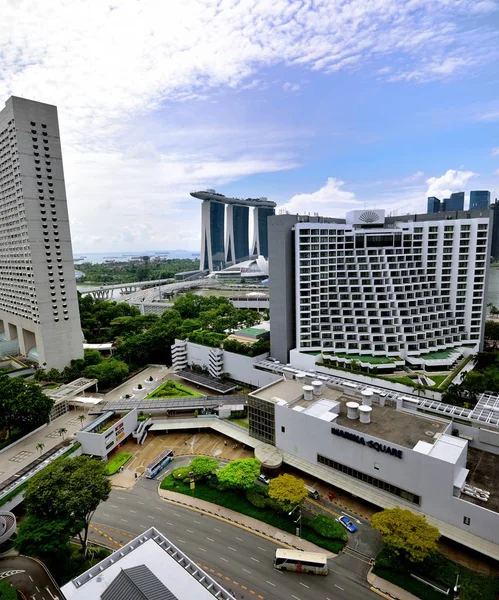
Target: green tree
69 489
40 447
239 474
203 466
288 491
62 431
7 591
92 357
81 418
46 538
406 534
109 373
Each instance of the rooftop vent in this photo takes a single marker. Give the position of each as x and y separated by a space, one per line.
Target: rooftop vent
365 414
308 393
367 397
353 410
300 377
317 385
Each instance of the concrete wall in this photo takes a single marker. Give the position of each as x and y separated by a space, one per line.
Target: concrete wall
101 444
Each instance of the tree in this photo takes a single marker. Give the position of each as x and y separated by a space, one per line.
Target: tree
406 534
42 537
239 474
109 373
69 489
62 431
40 447
203 466
288 491
81 418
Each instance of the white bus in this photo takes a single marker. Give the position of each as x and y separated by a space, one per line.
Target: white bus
301 562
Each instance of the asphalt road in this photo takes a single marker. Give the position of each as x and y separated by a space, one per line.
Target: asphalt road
28 576
242 560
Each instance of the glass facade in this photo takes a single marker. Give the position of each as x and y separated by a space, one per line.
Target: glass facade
263 232
261 415
217 226
455 202
433 205
241 233
370 480
479 200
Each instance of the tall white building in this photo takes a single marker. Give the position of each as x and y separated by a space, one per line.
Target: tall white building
368 285
39 314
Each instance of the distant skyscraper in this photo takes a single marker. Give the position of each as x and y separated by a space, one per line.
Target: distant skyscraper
479 200
39 314
237 237
260 244
455 202
433 204
212 235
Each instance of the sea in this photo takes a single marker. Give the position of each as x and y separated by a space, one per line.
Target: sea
101 257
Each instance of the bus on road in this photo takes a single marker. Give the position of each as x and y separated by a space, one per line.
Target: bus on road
158 464
312 492
301 562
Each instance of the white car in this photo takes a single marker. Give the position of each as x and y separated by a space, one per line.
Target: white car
263 479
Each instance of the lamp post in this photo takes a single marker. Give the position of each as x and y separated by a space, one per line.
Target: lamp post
298 520
457 587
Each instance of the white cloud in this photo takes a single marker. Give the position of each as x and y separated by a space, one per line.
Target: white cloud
291 87
451 181
328 200
495 151
489 116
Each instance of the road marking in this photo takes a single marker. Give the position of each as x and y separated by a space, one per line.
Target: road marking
149 517
262 549
233 549
247 571
181 541
168 523
190 530
202 549
198 522
30 577
304 584
350 517
158 508
113 505
211 540
222 558
176 514
143 526
219 530
138 502
124 520
255 559
240 539
270 583
37 589
296 597
339 587
104 515
132 511
376 591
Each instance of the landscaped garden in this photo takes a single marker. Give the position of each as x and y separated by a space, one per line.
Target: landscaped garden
117 461
172 389
234 487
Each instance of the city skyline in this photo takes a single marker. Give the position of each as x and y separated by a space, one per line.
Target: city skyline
335 108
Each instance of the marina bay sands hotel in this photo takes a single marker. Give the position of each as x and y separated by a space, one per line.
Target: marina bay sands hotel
215 254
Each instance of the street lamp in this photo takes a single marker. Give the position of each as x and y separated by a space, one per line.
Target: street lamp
298 520
457 587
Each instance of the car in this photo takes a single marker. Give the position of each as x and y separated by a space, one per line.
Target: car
263 479
347 524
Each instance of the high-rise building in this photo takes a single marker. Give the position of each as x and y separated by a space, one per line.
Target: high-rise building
375 286
214 254
433 204
237 236
455 202
260 246
39 313
479 200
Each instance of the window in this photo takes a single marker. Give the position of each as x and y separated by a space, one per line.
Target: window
466 520
283 429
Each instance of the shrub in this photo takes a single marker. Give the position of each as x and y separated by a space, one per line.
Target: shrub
328 528
181 473
256 499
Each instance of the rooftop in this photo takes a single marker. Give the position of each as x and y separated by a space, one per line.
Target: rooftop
395 426
483 474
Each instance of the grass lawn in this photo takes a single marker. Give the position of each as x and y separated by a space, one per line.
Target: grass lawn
172 389
438 379
240 422
374 360
237 501
117 461
403 380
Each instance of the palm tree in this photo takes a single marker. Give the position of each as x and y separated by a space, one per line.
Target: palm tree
40 447
81 418
61 431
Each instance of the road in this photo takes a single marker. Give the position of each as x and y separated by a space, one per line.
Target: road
29 576
242 560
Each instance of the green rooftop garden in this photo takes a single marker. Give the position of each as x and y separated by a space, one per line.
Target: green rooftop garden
374 360
441 354
172 389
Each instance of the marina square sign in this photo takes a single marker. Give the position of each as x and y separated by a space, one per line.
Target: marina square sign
358 439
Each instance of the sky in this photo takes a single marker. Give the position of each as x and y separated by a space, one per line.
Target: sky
320 105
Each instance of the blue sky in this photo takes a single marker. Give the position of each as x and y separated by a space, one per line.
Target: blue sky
321 106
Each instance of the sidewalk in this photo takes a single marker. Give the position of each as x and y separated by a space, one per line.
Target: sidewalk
243 521
391 590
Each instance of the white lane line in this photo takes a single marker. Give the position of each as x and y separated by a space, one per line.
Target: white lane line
247 571
124 520
143 526
138 502
37 589
176 514
304 584
113 505
168 523
339 587
158 508
255 559
120 497
222 558
202 549
181 541
132 511
233 549
149 517
270 583
30 577
296 597
190 530
211 539
104 515
198 522
240 539
219 530
262 549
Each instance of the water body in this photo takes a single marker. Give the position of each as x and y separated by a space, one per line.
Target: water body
101 257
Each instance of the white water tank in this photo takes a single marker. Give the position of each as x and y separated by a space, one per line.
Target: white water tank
352 410
365 413
317 385
308 393
381 400
367 397
300 377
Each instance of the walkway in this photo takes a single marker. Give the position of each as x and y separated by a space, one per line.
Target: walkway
391 590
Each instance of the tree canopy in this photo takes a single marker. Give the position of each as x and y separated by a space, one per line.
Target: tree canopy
70 490
406 534
288 491
239 474
128 272
46 538
203 465
22 404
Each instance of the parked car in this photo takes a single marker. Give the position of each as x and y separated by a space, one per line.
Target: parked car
263 479
347 524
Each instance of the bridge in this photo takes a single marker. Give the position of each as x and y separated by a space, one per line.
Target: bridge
136 291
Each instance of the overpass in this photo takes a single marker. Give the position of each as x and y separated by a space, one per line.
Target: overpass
138 289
